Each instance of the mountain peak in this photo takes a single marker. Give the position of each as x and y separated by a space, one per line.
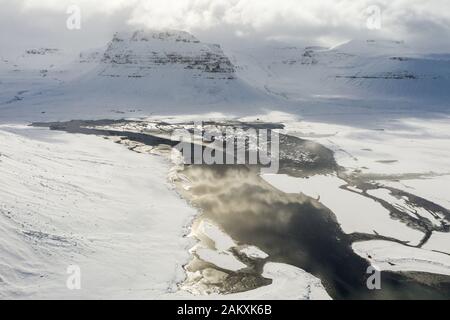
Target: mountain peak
140 52
159 35
372 47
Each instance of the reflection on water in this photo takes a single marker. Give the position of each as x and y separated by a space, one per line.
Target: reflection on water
292 229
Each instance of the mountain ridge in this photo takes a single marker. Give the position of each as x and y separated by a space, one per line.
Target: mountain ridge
161 72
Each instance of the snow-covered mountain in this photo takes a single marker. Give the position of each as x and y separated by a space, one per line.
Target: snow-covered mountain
139 54
147 72
29 71
161 72
370 69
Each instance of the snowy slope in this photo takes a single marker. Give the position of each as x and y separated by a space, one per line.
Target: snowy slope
65 201
146 72
171 72
369 69
30 70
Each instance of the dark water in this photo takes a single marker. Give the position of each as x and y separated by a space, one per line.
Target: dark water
292 229
296 230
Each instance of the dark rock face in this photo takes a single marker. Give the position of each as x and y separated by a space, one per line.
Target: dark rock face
141 51
41 51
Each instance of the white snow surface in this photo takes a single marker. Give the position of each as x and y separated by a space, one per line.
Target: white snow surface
393 147
220 255
66 200
439 242
393 256
365 70
222 241
224 260
433 188
403 205
253 252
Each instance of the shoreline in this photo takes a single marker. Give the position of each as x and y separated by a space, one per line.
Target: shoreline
133 146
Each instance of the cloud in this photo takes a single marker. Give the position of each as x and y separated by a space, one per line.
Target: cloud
422 23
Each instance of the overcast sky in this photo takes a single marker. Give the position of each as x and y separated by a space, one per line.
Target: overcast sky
421 23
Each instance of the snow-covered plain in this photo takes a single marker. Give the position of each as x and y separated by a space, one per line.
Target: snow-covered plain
389 147
404 206
66 200
396 257
439 242
433 187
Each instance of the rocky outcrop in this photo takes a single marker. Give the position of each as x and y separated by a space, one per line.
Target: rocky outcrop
137 54
42 51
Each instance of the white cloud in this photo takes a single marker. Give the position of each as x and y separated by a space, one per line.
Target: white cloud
418 21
